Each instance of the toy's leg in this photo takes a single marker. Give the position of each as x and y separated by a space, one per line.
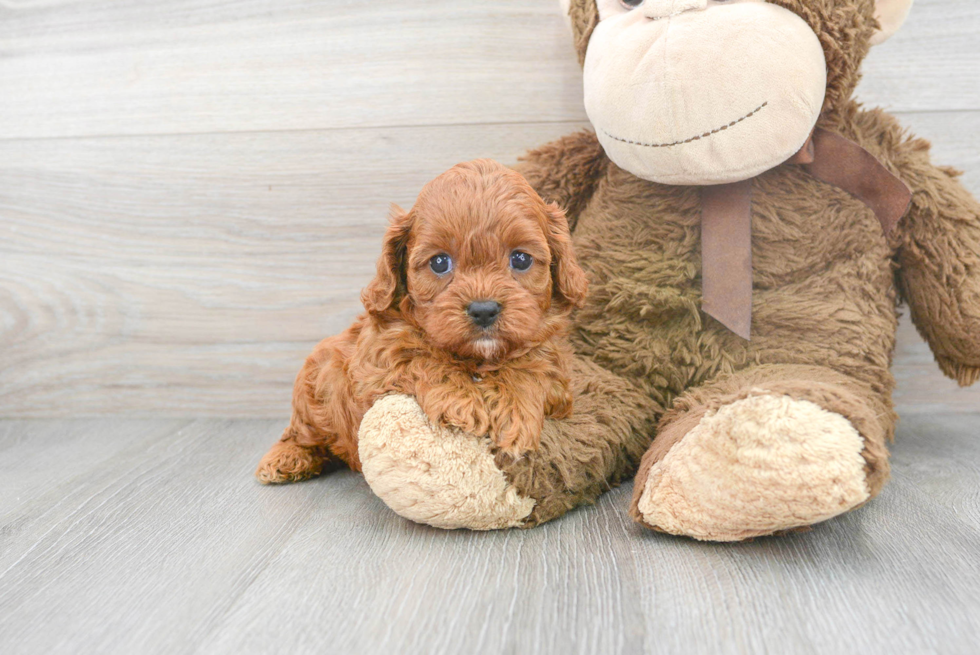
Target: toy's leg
449 479
585 455
764 450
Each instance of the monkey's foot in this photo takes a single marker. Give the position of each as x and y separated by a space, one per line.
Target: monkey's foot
756 466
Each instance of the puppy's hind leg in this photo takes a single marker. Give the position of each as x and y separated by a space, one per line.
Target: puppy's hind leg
311 442
287 461
302 450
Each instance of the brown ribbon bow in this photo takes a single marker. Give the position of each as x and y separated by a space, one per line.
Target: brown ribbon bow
726 220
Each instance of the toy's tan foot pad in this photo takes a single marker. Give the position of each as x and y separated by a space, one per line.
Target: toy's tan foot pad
439 476
759 465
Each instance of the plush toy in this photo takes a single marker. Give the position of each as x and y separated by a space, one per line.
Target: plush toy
749 232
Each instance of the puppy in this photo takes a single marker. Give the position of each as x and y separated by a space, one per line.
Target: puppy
468 313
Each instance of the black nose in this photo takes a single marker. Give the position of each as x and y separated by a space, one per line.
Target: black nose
483 312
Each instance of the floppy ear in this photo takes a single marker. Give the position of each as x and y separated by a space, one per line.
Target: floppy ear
388 284
890 14
569 283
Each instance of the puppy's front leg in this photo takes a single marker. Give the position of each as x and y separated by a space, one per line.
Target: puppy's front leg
517 409
454 401
558 398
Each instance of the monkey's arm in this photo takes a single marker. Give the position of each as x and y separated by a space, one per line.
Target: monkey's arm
938 251
566 171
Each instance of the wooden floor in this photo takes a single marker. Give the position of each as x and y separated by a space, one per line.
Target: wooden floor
150 536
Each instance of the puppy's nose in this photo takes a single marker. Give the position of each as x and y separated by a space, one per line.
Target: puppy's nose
483 312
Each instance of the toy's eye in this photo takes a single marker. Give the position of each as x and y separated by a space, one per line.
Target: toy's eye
631 4
520 261
441 264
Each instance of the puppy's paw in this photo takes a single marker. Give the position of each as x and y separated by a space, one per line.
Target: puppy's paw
476 422
288 462
517 435
452 411
558 403
516 424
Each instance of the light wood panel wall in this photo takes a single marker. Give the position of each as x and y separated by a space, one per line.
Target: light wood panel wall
192 193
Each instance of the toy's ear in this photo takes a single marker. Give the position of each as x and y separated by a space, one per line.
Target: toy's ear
890 14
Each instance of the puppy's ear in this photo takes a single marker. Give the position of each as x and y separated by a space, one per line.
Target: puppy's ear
569 283
388 284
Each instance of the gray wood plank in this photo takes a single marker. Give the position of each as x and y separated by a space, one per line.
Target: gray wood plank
951 481
567 588
144 553
179 550
41 458
179 66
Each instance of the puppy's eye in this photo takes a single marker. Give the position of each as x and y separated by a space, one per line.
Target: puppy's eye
631 4
441 264
520 261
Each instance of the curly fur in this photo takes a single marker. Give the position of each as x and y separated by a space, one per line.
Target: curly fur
417 339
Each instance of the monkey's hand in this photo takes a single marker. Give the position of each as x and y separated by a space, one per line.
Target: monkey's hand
938 249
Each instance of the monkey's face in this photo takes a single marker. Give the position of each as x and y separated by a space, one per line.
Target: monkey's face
701 91
711 91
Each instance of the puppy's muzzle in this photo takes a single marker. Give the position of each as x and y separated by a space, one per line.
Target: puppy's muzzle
483 312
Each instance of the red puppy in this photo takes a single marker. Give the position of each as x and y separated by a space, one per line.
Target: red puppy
468 313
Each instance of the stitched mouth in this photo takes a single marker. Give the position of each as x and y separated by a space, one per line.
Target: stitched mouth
693 138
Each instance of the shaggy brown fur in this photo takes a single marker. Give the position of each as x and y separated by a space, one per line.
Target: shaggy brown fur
417 338
827 284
